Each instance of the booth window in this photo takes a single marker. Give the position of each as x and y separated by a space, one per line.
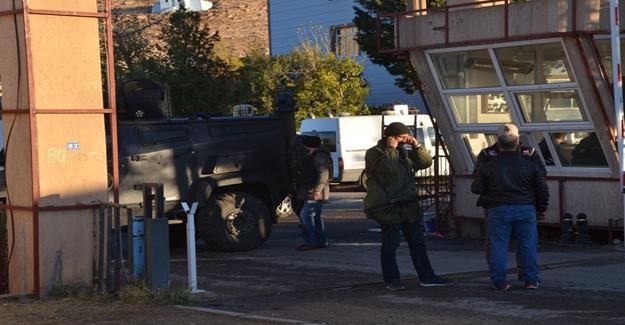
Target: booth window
604 47
480 108
528 83
534 64
475 142
551 106
572 149
468 69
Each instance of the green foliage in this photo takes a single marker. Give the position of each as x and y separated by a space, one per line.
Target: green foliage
135 293
204 76
260 80
139 294
326 85
198 80
321 83
135 55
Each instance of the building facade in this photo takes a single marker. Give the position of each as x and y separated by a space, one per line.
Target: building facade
330 23
542 64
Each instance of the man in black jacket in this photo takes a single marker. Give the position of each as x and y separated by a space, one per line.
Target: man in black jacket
313 183
489 153
513 189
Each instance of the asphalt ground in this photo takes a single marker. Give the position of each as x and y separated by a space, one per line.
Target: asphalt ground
342 284
276 284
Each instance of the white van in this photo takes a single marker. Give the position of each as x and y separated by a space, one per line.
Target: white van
347 138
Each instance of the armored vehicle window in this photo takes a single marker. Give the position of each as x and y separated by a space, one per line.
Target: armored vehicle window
163 134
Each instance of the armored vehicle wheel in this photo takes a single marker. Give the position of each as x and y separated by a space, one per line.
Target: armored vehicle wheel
235 222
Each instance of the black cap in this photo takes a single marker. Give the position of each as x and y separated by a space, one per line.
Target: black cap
311 141
396 128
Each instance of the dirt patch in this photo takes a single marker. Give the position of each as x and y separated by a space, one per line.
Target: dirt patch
74 311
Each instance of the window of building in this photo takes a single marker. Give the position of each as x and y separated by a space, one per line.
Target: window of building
551 106
534 64
467 69
344 42
604 47
528 83
480 108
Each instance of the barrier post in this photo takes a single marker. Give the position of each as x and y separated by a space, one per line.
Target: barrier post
191 262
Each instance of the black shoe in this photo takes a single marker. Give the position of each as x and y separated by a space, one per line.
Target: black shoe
437 281
395 286
306 247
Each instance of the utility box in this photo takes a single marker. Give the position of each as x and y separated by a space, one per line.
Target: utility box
157 253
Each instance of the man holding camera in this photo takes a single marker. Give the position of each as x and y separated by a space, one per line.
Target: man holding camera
392 201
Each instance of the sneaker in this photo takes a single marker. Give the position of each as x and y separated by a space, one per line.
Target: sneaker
500 286
395 286
531 285
437 281
306 247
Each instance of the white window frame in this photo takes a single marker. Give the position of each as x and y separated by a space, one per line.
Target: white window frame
516 113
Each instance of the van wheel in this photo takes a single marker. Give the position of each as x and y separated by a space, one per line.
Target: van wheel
235 222
363 181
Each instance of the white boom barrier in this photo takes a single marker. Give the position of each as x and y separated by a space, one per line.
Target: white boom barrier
618 92
191 261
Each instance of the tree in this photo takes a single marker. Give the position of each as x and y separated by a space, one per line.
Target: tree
325 84
321 83
198 80
397 65
261 78
406 77
135 54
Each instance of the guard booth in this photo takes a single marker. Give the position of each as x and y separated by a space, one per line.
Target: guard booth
544 65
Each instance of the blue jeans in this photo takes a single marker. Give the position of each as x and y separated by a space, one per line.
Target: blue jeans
503 221
313 228
413 232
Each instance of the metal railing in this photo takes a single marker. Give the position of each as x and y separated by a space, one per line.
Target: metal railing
387 27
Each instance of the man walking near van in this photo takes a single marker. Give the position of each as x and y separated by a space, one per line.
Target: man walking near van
313 183
513 189
391 200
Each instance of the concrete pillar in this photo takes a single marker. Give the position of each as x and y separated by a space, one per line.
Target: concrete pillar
53 158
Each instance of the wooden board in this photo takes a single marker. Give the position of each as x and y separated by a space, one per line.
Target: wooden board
70 148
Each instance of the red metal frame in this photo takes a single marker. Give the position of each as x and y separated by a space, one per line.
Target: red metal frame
506 38
26 11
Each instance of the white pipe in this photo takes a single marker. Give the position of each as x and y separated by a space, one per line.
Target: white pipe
618 91
191 258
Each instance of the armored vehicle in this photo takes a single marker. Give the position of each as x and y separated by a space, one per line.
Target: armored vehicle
234 167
